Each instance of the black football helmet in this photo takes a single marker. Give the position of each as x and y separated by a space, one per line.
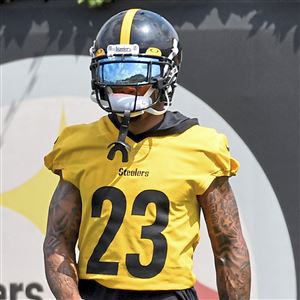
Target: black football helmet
135 48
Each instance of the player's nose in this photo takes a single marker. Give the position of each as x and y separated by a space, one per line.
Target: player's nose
141 90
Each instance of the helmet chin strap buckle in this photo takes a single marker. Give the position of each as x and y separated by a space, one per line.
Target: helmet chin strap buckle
120 144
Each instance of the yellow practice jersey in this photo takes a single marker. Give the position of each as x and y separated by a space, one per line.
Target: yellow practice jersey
140 219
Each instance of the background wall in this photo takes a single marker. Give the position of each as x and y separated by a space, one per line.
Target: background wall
240 74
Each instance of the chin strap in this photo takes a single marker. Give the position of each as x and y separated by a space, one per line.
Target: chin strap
120 144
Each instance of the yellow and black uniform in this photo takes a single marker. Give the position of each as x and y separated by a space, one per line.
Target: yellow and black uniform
140 219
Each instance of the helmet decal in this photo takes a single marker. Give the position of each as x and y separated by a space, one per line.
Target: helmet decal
153 51
126 26
122 49
100 52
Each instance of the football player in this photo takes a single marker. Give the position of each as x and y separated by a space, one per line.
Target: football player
133 183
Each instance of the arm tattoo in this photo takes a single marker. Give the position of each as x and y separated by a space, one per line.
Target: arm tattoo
64 219
229 247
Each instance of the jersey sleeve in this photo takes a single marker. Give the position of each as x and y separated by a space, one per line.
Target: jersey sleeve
59 160
216 162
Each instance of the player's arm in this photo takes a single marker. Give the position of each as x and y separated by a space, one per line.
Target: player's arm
64 218
230 250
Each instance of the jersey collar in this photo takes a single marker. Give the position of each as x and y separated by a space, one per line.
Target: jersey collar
172 123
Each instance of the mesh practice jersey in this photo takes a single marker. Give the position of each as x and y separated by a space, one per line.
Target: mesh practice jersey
140 219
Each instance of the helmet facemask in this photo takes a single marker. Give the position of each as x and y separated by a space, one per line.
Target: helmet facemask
117 72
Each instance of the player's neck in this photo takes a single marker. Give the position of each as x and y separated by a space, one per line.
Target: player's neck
144 123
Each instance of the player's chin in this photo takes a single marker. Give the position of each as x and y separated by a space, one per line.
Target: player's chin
136 118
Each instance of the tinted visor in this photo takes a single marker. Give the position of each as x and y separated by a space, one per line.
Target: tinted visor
129 70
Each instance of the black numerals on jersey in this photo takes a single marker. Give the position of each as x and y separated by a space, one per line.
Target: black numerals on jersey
118 201
152 232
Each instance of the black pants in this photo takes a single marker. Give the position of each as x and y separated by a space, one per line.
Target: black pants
91 290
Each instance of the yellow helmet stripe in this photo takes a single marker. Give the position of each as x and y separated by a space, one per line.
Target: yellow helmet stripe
126 26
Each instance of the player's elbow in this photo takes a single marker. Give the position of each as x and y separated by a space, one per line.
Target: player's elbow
50 246
231 250
228 242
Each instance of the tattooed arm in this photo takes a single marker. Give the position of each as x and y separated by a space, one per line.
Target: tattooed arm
229 247
59 246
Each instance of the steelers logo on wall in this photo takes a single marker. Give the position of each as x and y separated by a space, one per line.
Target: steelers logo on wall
53 92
